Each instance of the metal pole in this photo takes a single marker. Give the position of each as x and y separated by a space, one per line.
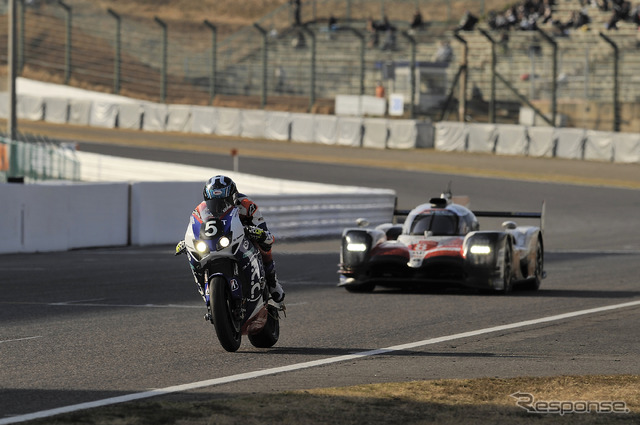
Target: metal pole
163 77
21 39
616 102
263 100
11 122
67 47
363 43
412 70
492 101
214 50
554 82
462 103
117 59
312 65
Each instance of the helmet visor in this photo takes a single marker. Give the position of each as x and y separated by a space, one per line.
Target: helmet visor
218 206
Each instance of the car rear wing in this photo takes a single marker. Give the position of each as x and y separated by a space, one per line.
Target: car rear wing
515 214
506 214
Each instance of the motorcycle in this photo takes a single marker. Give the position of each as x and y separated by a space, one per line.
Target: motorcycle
235 292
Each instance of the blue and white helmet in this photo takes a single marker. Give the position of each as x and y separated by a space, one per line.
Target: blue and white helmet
220 194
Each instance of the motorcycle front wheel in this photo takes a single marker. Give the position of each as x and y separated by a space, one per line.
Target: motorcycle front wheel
227 328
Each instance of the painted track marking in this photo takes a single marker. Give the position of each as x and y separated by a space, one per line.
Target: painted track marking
305 365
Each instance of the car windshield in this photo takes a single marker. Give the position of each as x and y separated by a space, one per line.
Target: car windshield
439 224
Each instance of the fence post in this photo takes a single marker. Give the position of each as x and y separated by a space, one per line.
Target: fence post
492 101
462 103
117 58
312 65
263 32
21 39
412 70
363 43
554 83
163 76
616 102
214 50
67 47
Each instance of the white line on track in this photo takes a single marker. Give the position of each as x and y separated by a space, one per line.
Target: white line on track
305 365
21 339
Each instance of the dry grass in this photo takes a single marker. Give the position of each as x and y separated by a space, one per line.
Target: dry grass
476 401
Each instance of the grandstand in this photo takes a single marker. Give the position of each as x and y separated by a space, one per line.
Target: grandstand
307 67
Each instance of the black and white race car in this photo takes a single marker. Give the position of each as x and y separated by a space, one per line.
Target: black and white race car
440 243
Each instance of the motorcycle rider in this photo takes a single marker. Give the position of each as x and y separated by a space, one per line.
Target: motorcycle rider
220 193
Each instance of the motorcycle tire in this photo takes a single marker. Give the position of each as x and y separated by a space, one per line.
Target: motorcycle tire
269 335
227 328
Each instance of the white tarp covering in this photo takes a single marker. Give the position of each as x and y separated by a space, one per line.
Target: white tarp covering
326 129
482 137
512 139
373 106
103 114
155 117
229 122
179 118
56 110
30 107
570 143
403 134
348 105
278 125
451 136
350 131
626 148
79 111
598 145
130 116
253 123
302 128
204 119
376 133
4 105
542 141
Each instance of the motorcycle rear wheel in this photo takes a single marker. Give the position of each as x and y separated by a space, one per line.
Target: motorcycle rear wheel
227 328
269 335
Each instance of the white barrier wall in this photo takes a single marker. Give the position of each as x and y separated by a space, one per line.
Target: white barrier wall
58 217
451 136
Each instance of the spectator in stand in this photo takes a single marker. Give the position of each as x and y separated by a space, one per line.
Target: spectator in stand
417 22
389 34
444 53
467 22
579 20
621 11
380 92
373 28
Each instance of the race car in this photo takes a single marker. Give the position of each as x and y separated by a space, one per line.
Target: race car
440 244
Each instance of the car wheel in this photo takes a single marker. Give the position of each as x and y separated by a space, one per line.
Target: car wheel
533 284
507 269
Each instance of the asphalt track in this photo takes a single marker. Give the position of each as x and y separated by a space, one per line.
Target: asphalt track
89 325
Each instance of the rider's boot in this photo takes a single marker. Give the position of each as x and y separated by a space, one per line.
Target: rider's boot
275 289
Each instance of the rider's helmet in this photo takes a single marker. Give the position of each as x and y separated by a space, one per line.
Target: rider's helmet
220 194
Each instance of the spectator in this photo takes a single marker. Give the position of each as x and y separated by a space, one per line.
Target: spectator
389 34
417 21
444 53
467 22
373 28
621 10
380 92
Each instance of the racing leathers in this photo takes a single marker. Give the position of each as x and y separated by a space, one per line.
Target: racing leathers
257 230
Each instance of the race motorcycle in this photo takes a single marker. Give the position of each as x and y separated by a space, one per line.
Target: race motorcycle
223 251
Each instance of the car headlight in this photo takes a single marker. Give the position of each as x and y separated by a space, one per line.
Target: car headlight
202 247
480 249
356 247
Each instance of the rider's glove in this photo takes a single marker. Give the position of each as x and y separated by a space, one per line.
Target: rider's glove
256 234
180 248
